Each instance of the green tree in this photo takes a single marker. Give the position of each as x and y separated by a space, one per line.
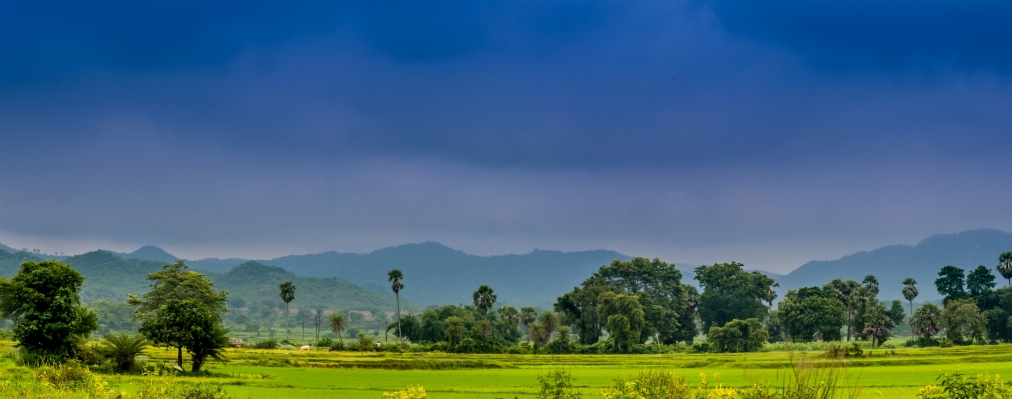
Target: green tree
870 283
43 301
550 321
287 294
484 298
455 328
176 281
980 284
668 305
927 320
510 315
878 320
337 325
394 277
950 283
624 318
811 313
738 336
1005 267
528 315
851 294
910 292
730 292
187 324
962 321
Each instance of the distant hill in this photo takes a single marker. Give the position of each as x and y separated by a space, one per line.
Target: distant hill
436 274
894 263
8 249
148 252
109 276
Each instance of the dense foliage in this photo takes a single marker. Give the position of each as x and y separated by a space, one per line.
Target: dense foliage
43 301
667 305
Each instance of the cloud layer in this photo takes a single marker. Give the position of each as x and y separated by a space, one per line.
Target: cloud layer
770 133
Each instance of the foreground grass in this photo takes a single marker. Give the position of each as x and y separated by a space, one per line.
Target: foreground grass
280 374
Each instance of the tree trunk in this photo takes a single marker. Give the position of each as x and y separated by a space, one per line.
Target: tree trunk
340 336
179 356
400 336
911 308
288 328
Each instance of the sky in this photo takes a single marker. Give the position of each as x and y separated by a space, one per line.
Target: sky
769 133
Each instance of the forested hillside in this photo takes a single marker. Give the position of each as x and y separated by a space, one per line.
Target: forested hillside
111 277
894 263
436 274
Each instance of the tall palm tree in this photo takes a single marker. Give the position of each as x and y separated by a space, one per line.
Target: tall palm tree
1005 266
337 325
510 315
850 293
527 315
871 283
454 328
287 294
395 276
910 292
549 320
484 298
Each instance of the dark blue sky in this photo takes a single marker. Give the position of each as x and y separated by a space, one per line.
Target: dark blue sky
765 132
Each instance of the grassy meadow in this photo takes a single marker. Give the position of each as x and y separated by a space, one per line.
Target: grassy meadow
280 374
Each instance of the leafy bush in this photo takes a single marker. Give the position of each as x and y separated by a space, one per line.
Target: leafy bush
701 347
649 385
123 349
960 386
324 342
557 384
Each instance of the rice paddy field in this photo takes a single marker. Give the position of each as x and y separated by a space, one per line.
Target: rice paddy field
280 374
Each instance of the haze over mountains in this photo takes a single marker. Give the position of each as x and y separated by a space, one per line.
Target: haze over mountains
436 274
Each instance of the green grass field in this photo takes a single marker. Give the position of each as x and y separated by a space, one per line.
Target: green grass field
279 374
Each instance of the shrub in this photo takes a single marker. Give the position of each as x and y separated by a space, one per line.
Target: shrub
701 347
416 392
649 385
123 349
324 342
960 386
557 384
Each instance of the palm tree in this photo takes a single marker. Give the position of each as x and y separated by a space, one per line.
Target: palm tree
454 328
848 292
910 292
527 315
871 283
1005 266
484 298
549 320
395 276
287 295
337 324
510 315
123 348
537 334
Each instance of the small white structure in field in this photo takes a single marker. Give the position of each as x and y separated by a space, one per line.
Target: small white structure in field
305 348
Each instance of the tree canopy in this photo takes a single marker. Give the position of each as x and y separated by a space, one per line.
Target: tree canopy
730 292
44 302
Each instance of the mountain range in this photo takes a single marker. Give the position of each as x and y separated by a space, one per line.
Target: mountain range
436 274
110 276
